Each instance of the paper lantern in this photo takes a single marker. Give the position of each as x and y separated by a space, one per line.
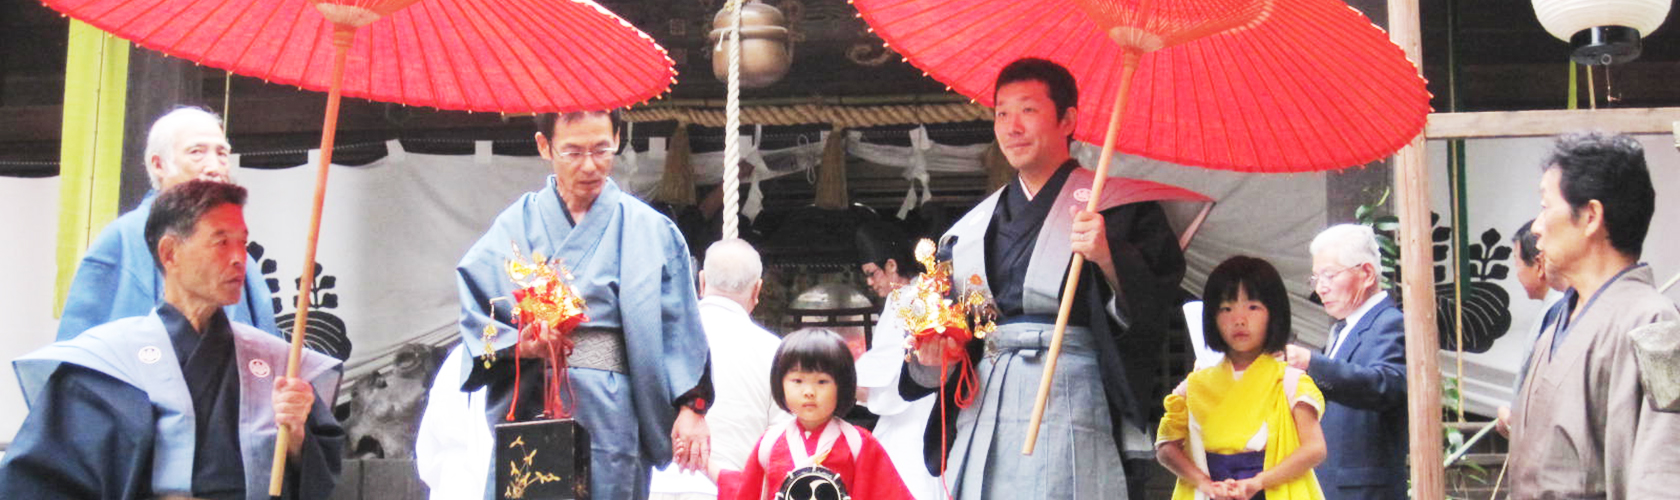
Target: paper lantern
1602 32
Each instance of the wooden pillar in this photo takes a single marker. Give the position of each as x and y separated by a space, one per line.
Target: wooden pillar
1423 373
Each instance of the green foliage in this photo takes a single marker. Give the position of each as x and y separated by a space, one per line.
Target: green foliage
1451 394
1385 227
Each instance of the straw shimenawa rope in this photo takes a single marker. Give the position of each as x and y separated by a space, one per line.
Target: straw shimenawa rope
831 173
676 183
805 114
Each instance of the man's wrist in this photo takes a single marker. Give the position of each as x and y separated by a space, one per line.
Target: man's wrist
696 404
1101 259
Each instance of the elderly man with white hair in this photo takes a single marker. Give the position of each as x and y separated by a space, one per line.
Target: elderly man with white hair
742 352
117 277
1361 370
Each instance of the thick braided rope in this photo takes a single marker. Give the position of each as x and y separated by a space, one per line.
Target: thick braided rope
732 129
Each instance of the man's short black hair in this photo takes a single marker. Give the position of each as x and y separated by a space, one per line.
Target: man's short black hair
176 210
546 121
1609 168
1527 243
878 241
1064 91
816 350
1263 283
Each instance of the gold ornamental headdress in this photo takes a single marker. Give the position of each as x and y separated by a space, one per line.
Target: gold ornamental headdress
932 317
545 298
545 293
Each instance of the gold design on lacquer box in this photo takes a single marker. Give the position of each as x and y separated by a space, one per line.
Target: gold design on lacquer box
521 475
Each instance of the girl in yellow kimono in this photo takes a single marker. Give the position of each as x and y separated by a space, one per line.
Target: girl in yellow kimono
1247 427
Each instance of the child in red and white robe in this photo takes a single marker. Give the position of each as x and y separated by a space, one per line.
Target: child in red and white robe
814 379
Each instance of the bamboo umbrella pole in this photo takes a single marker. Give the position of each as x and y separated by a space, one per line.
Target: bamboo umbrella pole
1128 64
1423 373
342 36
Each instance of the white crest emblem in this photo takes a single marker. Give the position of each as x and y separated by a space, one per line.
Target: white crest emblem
260 368
1082 194
150 354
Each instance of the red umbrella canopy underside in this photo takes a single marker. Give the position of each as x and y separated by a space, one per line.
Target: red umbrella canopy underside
1139 190
477 55
1313 86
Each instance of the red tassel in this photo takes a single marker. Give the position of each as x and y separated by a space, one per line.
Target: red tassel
967 383
944 438
967 387
515 404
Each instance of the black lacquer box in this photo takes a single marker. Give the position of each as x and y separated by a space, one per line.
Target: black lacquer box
542 460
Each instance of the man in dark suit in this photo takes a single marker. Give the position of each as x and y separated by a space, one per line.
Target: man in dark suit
1362 369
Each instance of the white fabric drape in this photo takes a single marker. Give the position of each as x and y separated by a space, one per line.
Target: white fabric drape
27 277
391 234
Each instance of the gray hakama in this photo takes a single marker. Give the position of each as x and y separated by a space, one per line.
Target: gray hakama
1077 435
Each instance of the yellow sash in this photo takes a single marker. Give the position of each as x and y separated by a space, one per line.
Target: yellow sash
1229 411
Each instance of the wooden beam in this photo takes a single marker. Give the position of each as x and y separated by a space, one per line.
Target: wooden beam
1528 86
288 114
20 124
1417 284
1550 122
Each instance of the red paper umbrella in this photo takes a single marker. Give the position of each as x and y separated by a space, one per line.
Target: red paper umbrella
1287 86
482 55
1248 85
511 56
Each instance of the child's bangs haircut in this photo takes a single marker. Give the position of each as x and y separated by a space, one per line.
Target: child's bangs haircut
816 350
1262 283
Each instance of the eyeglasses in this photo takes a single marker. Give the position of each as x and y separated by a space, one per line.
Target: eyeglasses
872 272
1326 276
577 157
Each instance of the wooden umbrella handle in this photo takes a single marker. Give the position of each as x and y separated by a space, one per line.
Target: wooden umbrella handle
342 36
1128 65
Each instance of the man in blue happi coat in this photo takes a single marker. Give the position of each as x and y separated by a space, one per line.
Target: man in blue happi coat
182 401
638 371
117 278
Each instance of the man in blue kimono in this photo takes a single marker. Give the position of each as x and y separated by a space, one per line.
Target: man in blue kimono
181 401
638 371
1016 247
117 278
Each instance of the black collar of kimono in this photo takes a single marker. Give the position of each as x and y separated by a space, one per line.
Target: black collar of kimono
184 338
1053 186
564 210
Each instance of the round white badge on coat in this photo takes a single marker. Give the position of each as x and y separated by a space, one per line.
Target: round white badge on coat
150 354
1082 194
260 369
